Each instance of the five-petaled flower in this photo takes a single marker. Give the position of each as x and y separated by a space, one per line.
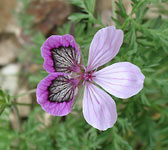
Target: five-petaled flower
56 92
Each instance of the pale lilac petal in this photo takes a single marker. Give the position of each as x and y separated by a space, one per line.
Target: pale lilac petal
105 46
122 79
99 109
56 41
53 108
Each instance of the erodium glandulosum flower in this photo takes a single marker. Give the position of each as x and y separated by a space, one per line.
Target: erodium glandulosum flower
56 92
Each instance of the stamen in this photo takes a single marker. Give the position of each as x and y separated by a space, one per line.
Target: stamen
87 76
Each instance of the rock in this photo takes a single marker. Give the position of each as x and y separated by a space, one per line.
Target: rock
24 111
9 48
105 8
6 12
49 14
9 77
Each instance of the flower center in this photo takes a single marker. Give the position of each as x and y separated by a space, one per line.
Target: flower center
87 76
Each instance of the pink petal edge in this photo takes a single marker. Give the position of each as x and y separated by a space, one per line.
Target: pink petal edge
55 41
53 108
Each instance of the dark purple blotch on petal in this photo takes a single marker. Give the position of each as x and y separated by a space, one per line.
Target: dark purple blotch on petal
61 90
60 106
65 59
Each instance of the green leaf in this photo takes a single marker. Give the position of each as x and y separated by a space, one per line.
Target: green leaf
76 17
4 100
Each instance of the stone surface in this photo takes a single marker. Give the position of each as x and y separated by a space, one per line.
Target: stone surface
6 11
24 111
9 78
49 14
9 48
105 8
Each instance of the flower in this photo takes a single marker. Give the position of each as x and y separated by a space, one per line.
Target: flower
56 92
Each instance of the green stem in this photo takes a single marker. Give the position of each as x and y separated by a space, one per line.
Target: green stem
124 24
22 104
23 94
130 15
136 7
17 116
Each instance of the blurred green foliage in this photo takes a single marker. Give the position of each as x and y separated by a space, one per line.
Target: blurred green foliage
142 120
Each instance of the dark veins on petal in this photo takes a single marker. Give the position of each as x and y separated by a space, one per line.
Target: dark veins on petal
61 90
64 58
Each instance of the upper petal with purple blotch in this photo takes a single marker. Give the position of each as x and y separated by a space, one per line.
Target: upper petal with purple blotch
60 54
55 94
105 46
99 109
122 79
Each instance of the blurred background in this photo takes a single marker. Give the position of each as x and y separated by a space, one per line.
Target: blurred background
25 24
